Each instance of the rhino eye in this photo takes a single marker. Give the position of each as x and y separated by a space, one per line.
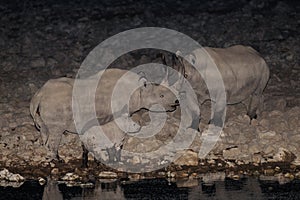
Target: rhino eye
161 96
185 75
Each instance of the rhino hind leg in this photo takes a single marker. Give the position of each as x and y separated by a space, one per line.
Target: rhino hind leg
54 138
255 100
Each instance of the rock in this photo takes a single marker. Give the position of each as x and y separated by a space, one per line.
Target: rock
39 62
267 135
211 162
108 175
135 160
70 177
289 175
55 171
269 150
42 181
269 172
8 176
187 183
181 174
254 148
232 153
230 164
187 158
296 162
284 155
256 158
265 123
171 174
275 113
134 176
297 175
277 169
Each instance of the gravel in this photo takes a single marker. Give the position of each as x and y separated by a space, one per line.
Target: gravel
40 40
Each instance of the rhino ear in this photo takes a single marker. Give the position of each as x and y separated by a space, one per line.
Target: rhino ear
178 54
164 60
143 82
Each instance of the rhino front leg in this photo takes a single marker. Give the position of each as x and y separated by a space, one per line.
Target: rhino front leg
217 119
218 114
85 152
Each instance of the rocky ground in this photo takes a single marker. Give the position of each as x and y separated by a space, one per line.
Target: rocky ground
40 40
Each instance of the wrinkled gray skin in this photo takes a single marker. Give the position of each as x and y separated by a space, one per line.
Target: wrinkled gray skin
51 106
244 72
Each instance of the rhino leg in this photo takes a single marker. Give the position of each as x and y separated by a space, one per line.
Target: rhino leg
219 109
53 141
44 133
217 119
84 157
195 122
114 154
255 100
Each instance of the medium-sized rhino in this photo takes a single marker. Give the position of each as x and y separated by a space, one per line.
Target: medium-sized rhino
243 71
51 106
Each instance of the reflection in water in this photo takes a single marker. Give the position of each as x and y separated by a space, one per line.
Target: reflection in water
247 188
51 191
29 190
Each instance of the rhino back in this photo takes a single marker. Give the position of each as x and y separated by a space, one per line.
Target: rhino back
242 70
55 103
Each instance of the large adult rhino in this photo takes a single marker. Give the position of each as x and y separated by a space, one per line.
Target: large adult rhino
243 71
51 106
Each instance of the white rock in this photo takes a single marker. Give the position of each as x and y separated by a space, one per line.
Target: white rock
108 175
70 177
187 158
8 176
267 135
42 181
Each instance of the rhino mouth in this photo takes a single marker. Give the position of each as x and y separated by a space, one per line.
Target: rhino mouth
175 104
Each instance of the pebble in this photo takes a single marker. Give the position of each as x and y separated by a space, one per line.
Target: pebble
55 171
42 181
70 177
108 175
277 169
269 172
187 158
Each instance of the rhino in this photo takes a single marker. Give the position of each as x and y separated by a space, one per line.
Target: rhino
244 72
51 106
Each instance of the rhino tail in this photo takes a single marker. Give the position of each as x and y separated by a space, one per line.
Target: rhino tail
34 105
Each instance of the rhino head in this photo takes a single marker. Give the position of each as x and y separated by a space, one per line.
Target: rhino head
151 92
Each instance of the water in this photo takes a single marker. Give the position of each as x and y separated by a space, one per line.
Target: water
247 188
